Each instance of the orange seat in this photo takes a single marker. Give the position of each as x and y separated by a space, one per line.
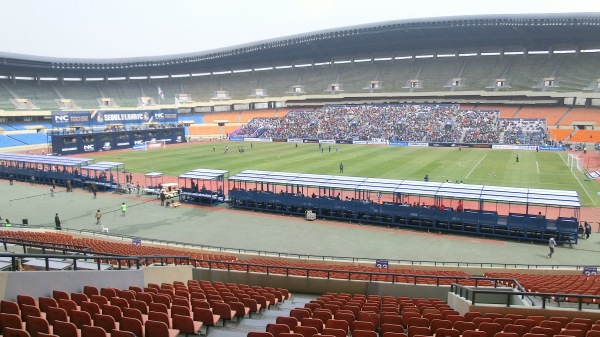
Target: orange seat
92 331
158 329
37 324
80 318
306 331
206 316
10 321
132 325
291 322
65 329
185 324
223 310
11 332
276 329
445 332
364 333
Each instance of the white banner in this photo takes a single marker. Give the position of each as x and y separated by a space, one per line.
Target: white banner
418 144
513 147
258 140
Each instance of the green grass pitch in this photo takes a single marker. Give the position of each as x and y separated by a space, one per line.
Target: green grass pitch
542 169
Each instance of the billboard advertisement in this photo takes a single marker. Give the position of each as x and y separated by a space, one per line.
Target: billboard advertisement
66 144
63 119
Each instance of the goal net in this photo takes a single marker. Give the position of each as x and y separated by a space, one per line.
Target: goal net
574 163
155 144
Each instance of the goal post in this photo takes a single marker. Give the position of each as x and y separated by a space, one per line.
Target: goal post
155 144
574 163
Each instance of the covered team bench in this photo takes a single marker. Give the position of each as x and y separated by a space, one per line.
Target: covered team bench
203 186
42 169
152 181
489 211
105 175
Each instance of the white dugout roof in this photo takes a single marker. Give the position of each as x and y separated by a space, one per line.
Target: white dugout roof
502 194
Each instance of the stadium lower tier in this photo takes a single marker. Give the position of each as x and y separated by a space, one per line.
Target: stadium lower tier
472 222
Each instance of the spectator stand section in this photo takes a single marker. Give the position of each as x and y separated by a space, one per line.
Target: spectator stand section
42 169
105 175
491 211
203 186
153 183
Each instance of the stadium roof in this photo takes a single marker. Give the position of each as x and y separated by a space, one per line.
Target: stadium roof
461 34
556 198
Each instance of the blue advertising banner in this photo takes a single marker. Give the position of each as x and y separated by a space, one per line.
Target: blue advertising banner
61 119
65 144
551 148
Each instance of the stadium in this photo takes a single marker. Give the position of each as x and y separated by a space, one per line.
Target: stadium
338 126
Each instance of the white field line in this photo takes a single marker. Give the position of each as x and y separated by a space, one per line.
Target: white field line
580 184
475 166
537 166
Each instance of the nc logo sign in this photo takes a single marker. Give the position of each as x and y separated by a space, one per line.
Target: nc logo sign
159 115
88 147
138 142
61 118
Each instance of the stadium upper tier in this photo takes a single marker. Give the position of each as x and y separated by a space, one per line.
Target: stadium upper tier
530 77
461 34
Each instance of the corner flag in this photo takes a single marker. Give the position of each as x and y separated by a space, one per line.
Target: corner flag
161 93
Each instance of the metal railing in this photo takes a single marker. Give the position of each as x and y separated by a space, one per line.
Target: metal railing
304 256
16 264
471 293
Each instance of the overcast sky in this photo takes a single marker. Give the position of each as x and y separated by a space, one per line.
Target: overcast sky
136 28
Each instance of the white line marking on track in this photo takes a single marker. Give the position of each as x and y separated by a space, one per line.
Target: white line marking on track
580 184
475 166
537 166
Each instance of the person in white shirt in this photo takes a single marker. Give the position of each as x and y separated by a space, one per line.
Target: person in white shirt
551 245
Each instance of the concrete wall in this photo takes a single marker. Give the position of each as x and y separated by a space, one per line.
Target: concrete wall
167 274
462 305
41 283
317 286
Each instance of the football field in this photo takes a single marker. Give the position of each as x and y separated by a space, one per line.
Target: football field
544 169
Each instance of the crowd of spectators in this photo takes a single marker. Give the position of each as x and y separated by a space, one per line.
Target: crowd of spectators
480 126
523 131
255 127
402 122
